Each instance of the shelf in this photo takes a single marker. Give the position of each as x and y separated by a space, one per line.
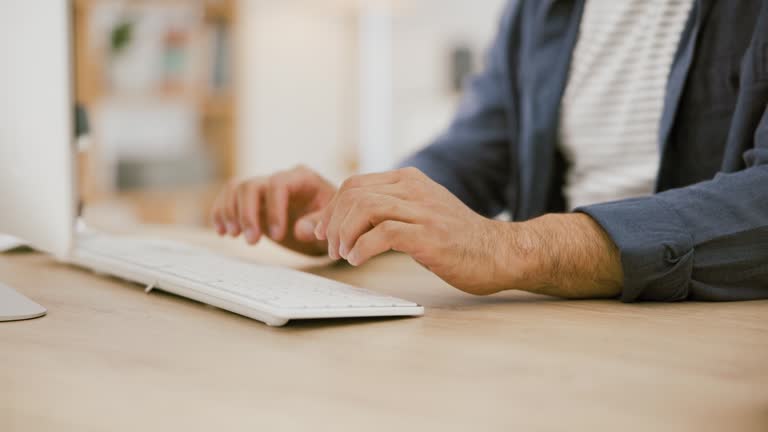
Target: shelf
216 106
220 11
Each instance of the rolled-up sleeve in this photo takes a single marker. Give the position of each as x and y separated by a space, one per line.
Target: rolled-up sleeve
707 241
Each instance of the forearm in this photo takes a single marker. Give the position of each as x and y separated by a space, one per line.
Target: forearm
566 255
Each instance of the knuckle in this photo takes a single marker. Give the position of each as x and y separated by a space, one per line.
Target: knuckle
247 186
387 228
281 177
241 189
410 172
351 182
365 204
392 209
415 185
275 180
275 191
253 191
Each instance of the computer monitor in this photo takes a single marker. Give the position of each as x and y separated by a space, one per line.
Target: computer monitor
37 187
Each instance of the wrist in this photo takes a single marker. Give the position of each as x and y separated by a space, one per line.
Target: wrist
516 257
567 255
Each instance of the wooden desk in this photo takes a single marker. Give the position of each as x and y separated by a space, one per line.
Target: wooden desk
109 357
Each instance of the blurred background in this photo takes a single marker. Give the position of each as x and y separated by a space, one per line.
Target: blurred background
182 95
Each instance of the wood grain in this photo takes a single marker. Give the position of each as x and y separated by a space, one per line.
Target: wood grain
109 357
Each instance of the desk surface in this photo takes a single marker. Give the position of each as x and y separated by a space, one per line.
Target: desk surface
109 357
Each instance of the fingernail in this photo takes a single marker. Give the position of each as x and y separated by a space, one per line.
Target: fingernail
331 252
353 258
343 251
231 228
274 231
306 228
319 230
250 236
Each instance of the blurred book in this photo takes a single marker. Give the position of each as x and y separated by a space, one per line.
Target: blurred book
219 52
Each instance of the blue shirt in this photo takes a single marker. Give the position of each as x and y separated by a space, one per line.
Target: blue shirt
704 234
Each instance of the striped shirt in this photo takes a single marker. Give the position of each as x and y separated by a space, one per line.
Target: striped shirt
614 97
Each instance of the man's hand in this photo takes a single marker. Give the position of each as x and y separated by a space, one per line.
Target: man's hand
403 210
284 206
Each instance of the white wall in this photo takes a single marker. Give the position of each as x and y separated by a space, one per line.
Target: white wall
424 33
296 77
299 69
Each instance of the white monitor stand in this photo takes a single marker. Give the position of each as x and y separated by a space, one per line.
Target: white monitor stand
14 306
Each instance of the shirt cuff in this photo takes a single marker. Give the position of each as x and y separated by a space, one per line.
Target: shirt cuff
656 250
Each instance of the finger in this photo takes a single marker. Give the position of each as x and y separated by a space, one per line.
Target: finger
388 235
345 202
304 230
340 206
277 194
372 201
302 179
219 226
216 215
231 212
368 212
249 206
354 182
295 181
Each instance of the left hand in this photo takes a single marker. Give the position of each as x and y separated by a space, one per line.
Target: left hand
404 210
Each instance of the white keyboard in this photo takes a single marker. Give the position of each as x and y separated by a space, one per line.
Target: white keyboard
270 294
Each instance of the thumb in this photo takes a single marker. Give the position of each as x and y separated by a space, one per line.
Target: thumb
304 230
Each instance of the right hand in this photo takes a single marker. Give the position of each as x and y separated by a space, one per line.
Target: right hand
284 206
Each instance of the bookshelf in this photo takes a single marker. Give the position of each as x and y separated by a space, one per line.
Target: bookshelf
206 85
218 104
